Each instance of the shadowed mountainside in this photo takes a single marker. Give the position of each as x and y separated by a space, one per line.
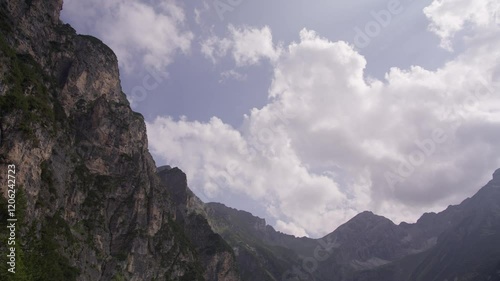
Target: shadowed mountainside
460 243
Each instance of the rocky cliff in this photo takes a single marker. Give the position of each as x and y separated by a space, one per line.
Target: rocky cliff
89 201
215 255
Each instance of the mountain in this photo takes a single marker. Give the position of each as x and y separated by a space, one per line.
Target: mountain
89 202
215 255
262 253
460 243
470 248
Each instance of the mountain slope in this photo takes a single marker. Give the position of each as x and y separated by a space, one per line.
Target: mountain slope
215 255
470 248
467 248
460 243
262 253
90 205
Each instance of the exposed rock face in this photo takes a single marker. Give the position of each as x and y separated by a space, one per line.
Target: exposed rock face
216 256
90 203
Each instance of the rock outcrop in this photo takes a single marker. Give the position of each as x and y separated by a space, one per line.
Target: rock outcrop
89 201
215 255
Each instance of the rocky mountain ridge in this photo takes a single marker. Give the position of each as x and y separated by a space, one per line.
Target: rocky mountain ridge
460 243
90 203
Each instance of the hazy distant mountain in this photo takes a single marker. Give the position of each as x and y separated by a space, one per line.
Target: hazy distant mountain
460 243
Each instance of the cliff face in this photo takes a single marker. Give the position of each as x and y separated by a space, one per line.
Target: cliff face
90 203
215 255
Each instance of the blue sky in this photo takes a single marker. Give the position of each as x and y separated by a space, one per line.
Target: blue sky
308 112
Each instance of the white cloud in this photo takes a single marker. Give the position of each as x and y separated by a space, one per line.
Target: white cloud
197 16
320 150
232 75
291 228
201 12
251 45
214 48
145 33
448 17
247 46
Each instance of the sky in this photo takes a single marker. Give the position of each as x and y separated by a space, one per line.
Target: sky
306 113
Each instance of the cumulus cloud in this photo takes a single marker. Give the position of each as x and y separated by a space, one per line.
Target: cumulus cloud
448 17
141 33
290 228
246 45
332 142
219 159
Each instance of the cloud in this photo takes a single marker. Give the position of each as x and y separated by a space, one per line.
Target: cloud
141 33
321 150
448 17
214 48
232 75
246 45
200 13
291 228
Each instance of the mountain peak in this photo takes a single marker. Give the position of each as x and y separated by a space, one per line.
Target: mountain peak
163 168
368 215
366 219
496 175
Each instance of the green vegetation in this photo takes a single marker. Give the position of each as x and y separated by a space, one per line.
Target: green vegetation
47 177
5 25
27 90
216 244
194 270
118 277
126 157
21 271
183 242
37 259
122 256
43 254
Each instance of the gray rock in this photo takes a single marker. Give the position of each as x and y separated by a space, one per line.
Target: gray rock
95 207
